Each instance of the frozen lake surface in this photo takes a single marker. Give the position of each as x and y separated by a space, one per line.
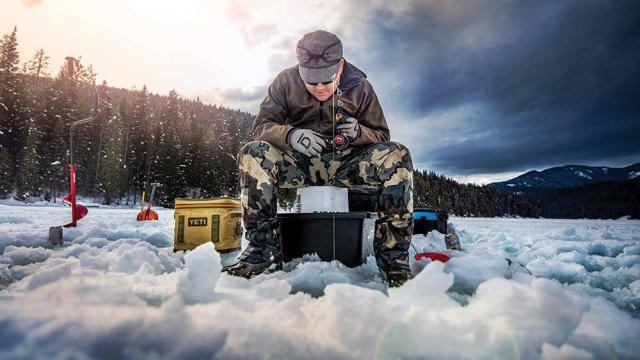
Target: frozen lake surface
115 289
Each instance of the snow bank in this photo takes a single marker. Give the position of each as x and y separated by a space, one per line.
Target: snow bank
197 284
91 202
116 290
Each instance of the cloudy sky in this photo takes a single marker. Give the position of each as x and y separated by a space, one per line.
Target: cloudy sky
480 90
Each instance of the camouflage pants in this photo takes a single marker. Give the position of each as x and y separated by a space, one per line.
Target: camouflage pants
384 169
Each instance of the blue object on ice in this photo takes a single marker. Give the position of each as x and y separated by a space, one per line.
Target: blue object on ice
428 215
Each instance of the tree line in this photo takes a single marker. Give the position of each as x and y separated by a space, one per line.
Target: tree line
440 192
138 137
600 200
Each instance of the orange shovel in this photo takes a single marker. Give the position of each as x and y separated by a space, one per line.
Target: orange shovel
148 214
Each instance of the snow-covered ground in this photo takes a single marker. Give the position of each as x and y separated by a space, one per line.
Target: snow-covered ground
89 202
116 290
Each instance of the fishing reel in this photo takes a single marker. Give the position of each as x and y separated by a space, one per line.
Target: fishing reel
339 141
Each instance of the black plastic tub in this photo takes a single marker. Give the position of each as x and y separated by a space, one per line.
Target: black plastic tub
314 233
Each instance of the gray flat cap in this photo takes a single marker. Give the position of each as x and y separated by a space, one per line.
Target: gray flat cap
318 55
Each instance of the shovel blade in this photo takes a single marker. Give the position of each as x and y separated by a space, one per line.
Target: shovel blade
434 256
146 215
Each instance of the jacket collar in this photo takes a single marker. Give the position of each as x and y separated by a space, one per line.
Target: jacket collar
351 76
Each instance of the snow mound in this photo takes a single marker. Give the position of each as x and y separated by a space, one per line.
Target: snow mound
115 289
197 283
11 219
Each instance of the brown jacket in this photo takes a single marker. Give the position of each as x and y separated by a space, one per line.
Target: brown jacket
288 105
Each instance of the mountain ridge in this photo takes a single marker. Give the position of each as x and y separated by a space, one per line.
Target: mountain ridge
567 176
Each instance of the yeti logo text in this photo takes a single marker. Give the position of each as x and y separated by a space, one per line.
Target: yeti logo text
199 221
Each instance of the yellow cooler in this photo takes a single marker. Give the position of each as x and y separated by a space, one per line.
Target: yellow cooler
200 220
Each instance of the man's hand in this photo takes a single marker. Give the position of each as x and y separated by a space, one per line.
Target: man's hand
350 128
307 142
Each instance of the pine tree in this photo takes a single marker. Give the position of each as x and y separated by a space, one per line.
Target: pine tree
59 104
29 178
139 143
212 168
29 170
11 121
168 162
194 155
112 172
100 125
38 65
5 170
86 137
209 170
125 114
231 148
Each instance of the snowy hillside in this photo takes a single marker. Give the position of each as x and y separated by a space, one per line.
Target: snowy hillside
567 176
116 290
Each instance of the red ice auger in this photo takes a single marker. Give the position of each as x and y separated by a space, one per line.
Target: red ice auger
77 211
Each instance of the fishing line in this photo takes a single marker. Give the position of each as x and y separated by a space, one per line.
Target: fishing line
333 152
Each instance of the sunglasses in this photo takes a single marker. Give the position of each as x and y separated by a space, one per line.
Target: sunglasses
316 83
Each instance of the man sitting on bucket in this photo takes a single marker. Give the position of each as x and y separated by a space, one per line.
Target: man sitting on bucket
295 146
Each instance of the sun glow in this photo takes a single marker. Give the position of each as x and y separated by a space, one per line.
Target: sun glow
190 46
224 51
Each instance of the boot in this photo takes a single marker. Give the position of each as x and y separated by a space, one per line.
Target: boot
392 256
263 252
396 274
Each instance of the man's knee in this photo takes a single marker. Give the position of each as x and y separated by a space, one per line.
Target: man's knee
251 162
263 152
402 152
254 149
390 145
392 154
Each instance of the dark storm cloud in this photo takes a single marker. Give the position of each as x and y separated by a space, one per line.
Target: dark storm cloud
556 81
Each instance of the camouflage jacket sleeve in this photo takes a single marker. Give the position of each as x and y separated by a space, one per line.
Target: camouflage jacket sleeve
373 125
270 123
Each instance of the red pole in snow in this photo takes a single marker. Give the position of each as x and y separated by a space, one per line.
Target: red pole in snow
72 172
72 200
77 211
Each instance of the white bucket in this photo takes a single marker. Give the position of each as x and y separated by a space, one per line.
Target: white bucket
315 199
